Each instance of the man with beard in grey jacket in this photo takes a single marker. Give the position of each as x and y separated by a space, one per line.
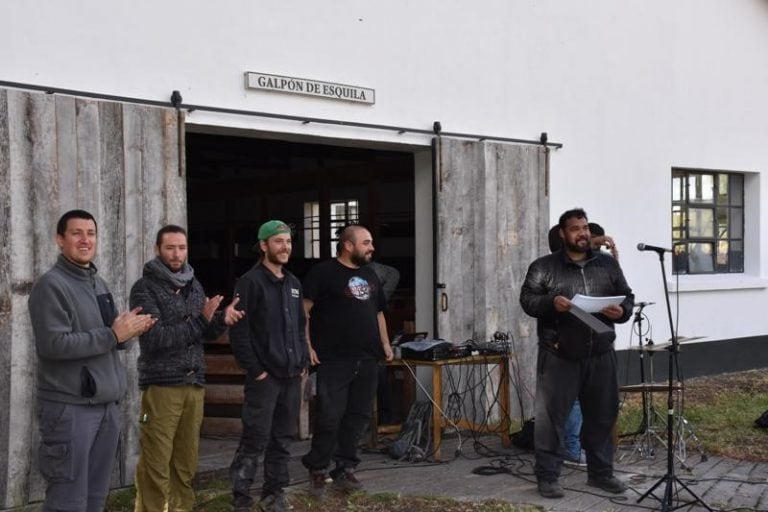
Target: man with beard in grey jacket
172 372
80 378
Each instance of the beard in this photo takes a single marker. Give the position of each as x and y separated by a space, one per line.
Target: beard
580 245
360 259
277 258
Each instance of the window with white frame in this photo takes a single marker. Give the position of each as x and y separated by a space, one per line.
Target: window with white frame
341 213
707 222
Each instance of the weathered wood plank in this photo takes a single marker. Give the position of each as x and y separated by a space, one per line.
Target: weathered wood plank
134 258
175 181
88 157
154 175
231 394
111 212
221 427
217 364
6 312
459 171
33 170
66 153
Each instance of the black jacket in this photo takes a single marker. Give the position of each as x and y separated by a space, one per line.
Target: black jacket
172 350
271 337
555 274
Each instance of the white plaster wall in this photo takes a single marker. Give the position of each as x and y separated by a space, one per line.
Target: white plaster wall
632 88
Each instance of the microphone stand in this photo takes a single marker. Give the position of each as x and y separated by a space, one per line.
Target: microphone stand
669 479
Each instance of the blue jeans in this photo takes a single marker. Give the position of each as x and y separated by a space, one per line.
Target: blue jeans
572 434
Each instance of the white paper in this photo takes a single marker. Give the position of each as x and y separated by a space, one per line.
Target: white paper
596 304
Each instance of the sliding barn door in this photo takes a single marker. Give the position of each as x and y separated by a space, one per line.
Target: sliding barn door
492 211
124 164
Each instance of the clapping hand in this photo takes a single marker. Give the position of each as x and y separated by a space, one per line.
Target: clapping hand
210 307
232 315
131 323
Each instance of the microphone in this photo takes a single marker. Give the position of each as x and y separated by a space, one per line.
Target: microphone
643 247
641 305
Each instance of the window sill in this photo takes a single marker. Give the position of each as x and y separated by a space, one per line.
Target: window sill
711 282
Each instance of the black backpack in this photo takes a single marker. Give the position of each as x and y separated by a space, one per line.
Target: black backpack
524 438
415 441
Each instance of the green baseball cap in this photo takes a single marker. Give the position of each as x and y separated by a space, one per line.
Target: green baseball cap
272 228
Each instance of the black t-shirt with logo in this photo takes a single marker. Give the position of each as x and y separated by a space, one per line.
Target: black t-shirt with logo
343 320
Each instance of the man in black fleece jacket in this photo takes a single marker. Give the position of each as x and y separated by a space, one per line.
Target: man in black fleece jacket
271 346
172 372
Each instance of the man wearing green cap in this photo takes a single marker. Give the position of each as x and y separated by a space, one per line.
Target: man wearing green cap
270 345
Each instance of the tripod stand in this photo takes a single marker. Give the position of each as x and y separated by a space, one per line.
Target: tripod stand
669 479
645 436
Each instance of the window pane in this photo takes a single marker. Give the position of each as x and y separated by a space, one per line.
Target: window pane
722 189
678 223
737 256
679 259
701 188
701 258
677 187
737 223
701 223
737 189
722 223
722 255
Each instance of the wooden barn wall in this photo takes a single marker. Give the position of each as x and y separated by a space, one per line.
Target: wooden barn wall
492 222
120 162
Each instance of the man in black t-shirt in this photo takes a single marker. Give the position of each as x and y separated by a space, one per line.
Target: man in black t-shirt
347 336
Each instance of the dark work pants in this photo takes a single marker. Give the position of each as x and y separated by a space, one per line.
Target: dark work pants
78 444
345 392
270 415
559 382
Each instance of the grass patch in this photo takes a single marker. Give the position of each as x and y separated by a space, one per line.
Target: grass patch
216 497
392 502
721 410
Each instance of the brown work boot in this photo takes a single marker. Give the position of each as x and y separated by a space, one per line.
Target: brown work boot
317 483
347 481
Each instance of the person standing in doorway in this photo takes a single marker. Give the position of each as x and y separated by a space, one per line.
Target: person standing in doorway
574 361
172 372
80 378
270 346
345 304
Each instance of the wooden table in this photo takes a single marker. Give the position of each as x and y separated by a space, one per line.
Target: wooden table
438 421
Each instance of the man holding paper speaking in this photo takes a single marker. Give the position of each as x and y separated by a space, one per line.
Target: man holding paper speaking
576 357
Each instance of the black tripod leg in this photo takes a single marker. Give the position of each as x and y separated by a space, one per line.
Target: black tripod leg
695 497
649 492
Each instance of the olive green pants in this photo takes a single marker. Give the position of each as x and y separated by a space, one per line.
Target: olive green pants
169 425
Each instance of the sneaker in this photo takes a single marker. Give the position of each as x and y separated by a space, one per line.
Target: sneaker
550 489
607 483
347 481
274 503
317 484
581 462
